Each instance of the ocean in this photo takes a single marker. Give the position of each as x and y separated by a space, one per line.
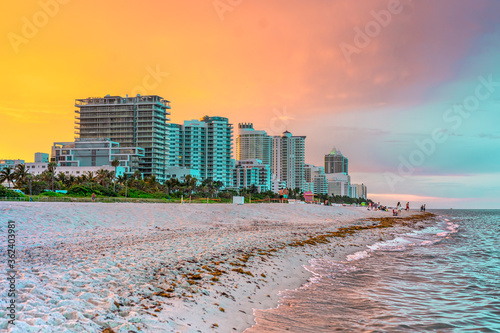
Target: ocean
444 278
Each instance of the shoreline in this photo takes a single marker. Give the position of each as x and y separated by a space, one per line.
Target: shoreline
185 268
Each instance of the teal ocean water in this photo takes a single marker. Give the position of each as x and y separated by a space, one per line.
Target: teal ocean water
444 278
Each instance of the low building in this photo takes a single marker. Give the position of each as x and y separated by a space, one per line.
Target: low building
96 153
276 184
10 164
76 171
42 158
251 172
338 184
181 173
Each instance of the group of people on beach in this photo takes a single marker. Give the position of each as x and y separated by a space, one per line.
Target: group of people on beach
376 206
283 195
399 208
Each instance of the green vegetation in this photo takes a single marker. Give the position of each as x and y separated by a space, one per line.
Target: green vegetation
104 184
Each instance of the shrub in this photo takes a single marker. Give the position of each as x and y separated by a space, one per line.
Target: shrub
5 192
80 190
37 187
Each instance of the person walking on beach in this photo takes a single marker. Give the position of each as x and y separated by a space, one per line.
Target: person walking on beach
285 195
280 193
407 206
399 208
93 197
424 207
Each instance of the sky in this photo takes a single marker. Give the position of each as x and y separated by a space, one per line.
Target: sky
408 90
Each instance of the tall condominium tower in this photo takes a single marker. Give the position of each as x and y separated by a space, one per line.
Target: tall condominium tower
219 149
204 145
289 159
252 144
131 121
335 162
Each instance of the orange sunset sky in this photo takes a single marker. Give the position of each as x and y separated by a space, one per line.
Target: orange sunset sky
278 64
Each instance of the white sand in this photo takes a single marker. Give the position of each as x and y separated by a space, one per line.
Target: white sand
84 267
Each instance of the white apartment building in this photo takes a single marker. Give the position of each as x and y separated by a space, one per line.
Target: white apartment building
96 153
252 144
37 168
289 160
338 184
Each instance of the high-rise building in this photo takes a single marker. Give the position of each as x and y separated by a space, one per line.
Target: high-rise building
204 145
219 149
335 162
131 121
361 191
315 179
252 144
174 145
289 160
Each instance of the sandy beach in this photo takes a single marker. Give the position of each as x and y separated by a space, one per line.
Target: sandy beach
169 267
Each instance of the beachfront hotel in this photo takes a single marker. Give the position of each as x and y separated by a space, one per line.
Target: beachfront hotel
96 152
289 160
285 155
201 147
138 121
252 144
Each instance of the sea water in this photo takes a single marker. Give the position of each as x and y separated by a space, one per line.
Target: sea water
444 278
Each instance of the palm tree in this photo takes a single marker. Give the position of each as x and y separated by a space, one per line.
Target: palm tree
71 181
51 167
137 175
7 175
61 177
115 164
20 175
190 184
152 183
102 177
89 176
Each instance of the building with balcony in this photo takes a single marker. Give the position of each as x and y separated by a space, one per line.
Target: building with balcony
42 158
252 144
96 153
289 160
251 172
37 168
10 164
204 145
139 121
315 179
